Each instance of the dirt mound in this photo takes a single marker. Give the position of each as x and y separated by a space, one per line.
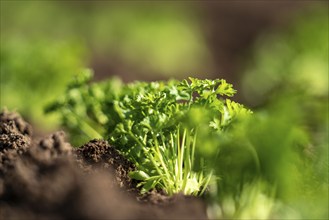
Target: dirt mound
15 133
99 155
15 138
48 179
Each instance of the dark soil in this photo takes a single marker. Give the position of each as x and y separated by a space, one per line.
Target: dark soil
98 155
48 179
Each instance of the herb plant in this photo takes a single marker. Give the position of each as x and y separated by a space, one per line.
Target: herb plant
275 164
157 125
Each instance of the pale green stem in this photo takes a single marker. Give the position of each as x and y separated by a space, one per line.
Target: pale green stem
86 128
182 155
160 157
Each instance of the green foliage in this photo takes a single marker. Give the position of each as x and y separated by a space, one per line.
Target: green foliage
290 60
278 158
158 38
33 72
157 125
270 167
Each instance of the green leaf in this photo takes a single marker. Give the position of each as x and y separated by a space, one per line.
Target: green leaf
138 175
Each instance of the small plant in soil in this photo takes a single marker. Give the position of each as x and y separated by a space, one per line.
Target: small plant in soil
189 137
159 126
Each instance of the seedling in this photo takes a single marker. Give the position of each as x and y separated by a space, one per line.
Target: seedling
154 124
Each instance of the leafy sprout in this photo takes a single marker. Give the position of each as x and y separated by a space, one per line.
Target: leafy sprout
157 125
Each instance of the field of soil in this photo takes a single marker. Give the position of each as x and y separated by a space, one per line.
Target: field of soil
49 179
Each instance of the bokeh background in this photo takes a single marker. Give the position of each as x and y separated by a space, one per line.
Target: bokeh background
251 44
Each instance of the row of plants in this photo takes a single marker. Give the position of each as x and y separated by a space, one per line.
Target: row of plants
189 137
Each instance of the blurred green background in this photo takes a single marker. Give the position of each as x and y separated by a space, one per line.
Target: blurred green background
44 43
274 52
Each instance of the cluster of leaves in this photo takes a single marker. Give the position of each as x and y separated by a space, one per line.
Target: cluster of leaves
271 168
157 125
278 158
180 134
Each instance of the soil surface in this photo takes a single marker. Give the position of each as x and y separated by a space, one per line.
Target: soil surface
49 179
